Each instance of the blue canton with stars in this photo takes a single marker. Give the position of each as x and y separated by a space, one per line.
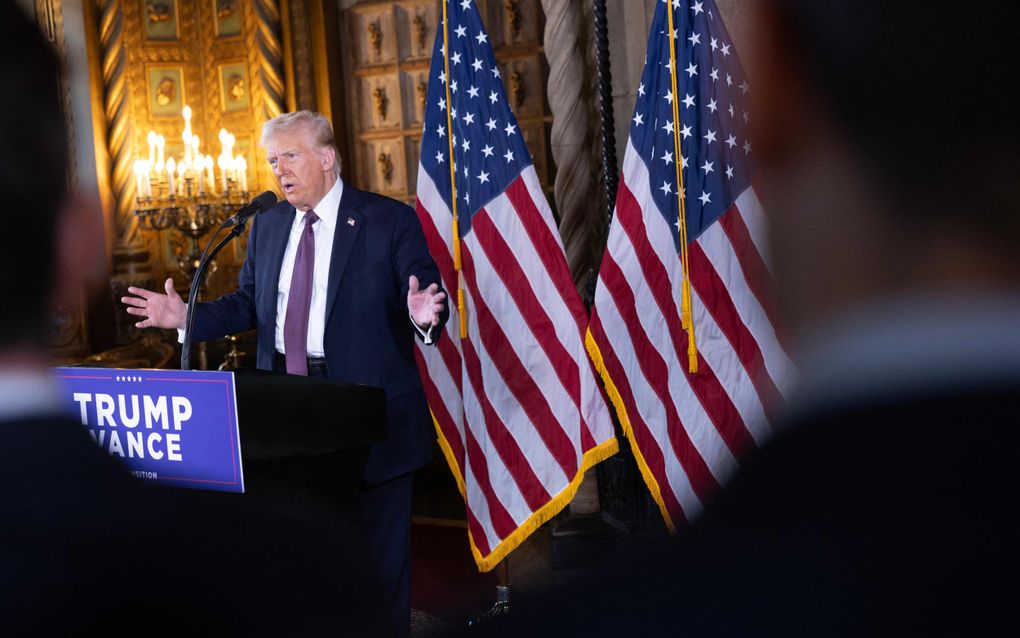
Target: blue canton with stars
711 87
489 152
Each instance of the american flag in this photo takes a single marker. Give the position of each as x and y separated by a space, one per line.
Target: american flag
517 404
689 430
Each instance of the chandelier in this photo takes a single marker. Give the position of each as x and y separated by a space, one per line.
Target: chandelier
183 193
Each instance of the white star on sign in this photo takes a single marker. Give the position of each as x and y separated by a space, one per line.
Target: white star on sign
715 44
714 74
745 87
453 86
442 77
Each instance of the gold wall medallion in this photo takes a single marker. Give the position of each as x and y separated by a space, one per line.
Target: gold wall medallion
159 19
234 93
228 17
166 90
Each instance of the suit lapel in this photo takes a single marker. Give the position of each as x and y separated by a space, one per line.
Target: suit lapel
348 225
276 231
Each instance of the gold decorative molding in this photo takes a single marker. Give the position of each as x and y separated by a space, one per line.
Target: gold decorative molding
420 31
113 38
380 102
269 56
517 89
385 168
513 17
375 38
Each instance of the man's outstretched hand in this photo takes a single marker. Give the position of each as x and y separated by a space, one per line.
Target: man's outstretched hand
424 305
160 310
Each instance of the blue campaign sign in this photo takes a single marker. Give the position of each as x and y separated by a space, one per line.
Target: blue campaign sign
177 427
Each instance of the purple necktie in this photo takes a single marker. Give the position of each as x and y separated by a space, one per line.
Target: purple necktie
299 301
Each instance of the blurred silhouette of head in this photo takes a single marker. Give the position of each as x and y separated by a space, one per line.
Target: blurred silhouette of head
33 175
889 149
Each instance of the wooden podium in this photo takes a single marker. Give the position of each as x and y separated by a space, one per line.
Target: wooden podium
304 441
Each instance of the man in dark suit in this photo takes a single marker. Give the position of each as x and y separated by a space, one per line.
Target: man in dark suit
85 548
339 282
886 504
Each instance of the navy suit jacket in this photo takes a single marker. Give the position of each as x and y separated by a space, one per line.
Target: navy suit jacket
369 338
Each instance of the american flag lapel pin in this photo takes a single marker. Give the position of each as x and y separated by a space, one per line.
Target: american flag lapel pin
350 221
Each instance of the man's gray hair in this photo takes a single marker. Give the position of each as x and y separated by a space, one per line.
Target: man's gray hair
315 123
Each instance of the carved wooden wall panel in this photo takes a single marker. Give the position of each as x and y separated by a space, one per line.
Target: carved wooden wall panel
387 49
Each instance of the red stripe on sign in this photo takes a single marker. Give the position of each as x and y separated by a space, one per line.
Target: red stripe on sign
516 376
717 300
532 310
644 440
549 249
656 373
506 446
713 397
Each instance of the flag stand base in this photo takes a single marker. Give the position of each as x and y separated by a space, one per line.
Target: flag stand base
501 608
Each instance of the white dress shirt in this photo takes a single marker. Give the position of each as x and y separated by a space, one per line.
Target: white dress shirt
327 211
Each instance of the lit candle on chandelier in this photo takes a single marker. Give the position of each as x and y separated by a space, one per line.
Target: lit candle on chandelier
171 167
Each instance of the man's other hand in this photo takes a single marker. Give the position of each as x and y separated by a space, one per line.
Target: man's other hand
160 310
424 305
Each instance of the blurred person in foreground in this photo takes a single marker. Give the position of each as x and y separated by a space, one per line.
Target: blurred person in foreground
84 546
886 504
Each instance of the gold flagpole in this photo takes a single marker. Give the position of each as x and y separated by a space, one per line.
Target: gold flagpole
686 315
453 183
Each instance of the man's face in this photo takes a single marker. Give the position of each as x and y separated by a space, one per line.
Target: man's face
303 170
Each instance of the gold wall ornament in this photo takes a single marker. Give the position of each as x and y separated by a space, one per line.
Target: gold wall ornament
513 17
517 89
381 102
385 167
225 9
420 31
375 37
423 91
159 12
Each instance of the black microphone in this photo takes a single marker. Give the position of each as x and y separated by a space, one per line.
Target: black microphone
263 201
